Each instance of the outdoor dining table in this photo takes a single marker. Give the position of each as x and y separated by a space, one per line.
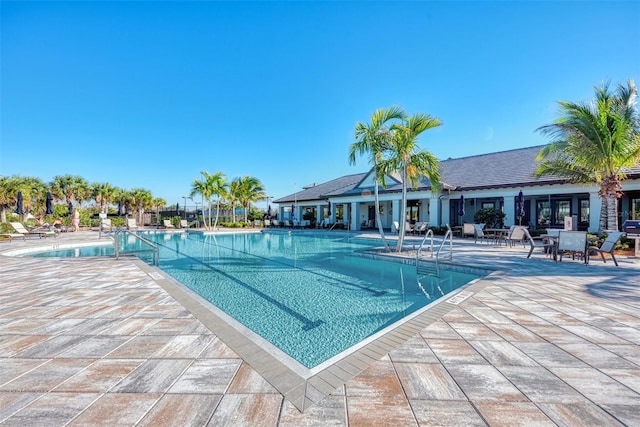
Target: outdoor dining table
499 233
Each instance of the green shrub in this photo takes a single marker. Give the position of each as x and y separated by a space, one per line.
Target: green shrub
492 217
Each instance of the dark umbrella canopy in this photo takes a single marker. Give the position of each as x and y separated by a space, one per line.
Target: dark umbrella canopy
293 208
269 211
70 207
126 208
119 207
461 206
177 209
520 206
49 203
19 210
329 209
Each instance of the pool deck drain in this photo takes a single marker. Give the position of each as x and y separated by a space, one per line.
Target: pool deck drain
101 342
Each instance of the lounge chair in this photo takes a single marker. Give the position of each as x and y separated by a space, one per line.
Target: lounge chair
287 223
167 223
184 223
21 230
131 224
12 236
608 246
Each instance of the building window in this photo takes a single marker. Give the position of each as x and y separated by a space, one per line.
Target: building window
635 209
543 214
488 205
584 211
562 208
339 212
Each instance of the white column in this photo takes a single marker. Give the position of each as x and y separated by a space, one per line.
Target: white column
395 214
445 211
355 215
595 204
510 209
434 211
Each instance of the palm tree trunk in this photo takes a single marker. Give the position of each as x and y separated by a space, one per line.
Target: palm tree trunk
612 212
245 207
233 212
602 224
403 220
378 219
217 212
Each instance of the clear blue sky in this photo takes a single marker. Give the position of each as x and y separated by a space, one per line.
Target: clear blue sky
148 94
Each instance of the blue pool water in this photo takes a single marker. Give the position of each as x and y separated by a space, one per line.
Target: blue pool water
312 297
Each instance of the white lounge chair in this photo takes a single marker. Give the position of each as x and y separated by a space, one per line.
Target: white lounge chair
167 223
106 223
131 224
21 230
184 223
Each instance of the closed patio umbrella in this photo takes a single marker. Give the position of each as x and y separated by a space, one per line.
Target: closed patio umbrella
269 211
49 210
19 210
70 208
119 207
293 208
520 207
329 209
177 209
461 206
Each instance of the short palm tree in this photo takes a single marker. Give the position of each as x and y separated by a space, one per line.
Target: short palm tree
373 138
595 142
406 157
250 191
211 185
103 194
141 199
70 188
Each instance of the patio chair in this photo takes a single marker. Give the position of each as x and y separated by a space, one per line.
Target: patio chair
131 224
184 223
546 245
167 223
21 230
468 229
106 223
516 234
12 236
574 243
421 227
608 246
396 225
481 235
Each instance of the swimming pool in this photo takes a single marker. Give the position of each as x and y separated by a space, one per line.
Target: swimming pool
312 297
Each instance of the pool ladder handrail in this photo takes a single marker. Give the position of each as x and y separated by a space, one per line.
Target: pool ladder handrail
447 237
124 231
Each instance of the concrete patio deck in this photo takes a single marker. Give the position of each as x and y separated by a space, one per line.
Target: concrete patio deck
103 342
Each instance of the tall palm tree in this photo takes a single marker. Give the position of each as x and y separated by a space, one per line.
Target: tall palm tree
250 190
103 194
141 199
200 187
234 197
71 188
595 142
8 192
374 138
211 185
406 157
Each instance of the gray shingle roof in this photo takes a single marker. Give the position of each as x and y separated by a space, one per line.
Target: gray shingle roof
322 191
511 168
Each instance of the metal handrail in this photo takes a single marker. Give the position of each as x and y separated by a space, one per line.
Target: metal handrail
426 235
447 236
154 248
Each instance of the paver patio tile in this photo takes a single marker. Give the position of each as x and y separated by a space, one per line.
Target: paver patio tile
414 350
629 352
578 414
182 410
140 347
47 375
184 346
427 381
452 352
484 382
11 403
440 330
379 410
116 409
95 347
100 376
513 414
628 377
14 344
446 413
379 379
206 376
329 412
247 410
626 413
52 409
152 376
502 353
474 331
247 380
597 356
217 349
540 385
597 386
